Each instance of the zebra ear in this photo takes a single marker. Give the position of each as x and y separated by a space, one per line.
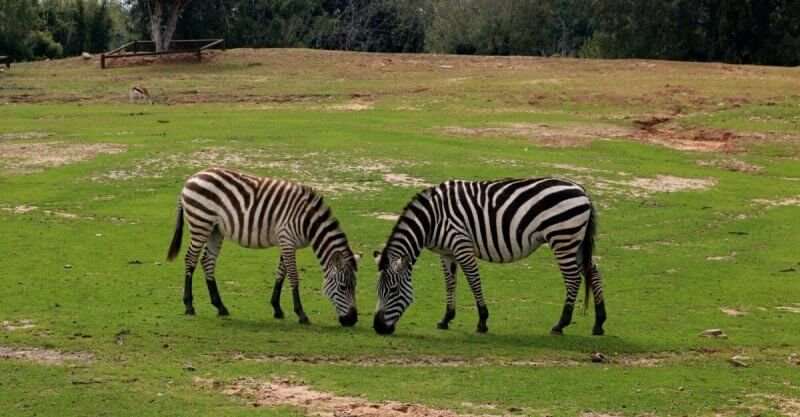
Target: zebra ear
377 256
402 263
358 257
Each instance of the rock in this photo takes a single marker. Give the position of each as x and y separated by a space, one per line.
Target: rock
190 367
739 361
67 266
715 333
794 359
401 408
598 357
86 55
513 409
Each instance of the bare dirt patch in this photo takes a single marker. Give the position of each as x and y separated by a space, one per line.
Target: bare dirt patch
34 157
351 106
734 165
788 406
17 325
547 134
789 201
44 356
383 216
667 184
727 257
317 403
795 309
656 130
20 209
187 58
404 180
23 135
732 311
322 171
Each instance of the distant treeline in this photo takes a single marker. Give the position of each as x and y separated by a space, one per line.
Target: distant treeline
735 31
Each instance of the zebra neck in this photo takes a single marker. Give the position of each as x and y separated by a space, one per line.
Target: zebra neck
325 236
410 234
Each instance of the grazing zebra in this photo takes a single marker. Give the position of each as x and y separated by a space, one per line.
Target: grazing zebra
497 221
258 212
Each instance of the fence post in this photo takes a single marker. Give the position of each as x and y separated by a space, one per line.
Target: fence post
102 61
135 46
199 55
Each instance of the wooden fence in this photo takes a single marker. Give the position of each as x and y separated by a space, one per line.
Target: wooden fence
136 46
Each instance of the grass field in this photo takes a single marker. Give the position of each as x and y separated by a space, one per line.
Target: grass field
695 169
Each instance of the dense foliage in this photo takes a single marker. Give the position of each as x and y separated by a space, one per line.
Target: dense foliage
31 29
737 31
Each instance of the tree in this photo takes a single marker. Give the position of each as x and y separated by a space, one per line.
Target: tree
100 28
17 22
164 16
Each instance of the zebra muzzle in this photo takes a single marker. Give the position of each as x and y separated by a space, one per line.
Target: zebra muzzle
380 324
350 318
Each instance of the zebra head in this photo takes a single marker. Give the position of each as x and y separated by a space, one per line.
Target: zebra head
395 292
340 286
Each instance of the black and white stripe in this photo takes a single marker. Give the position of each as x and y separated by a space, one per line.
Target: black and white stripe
497 221
258 212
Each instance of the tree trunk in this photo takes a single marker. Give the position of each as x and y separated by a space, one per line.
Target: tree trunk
162 39
173 21
155 24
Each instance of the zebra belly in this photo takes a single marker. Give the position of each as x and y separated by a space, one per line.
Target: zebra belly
252 239
508 255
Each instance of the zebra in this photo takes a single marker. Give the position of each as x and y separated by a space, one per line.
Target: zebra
496 221
257 212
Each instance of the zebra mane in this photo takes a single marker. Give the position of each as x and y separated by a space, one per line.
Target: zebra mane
384 261
316 204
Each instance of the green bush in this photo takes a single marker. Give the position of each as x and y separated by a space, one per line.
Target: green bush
43 46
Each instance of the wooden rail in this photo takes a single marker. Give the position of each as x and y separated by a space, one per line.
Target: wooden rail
121 52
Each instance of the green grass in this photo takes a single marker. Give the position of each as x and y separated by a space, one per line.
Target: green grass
653 248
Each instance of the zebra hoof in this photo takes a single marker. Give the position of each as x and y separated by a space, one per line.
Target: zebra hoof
556 332
189 311
278 314
598 331
223 312
442 326
304 320
481 328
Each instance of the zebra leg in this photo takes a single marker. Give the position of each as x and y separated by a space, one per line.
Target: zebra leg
465 258
288 255
449 267
599 303
209 260
276 292
191 263
572 280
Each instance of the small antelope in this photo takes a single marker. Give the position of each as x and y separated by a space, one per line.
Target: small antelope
138 93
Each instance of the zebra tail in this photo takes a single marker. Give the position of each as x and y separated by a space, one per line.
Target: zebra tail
175 246
587 249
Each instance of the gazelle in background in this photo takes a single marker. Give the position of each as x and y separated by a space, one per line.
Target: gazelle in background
138 93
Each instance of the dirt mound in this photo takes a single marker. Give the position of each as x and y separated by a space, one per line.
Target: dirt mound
144 61
649 123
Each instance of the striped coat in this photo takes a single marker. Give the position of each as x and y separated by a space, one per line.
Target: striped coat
496 221
257 212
